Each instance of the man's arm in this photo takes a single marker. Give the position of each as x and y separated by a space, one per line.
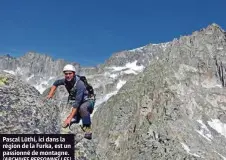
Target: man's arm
52 92
54 87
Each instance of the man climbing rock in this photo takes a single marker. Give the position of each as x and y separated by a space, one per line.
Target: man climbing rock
81 98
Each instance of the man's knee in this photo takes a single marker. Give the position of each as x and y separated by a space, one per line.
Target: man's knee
84 108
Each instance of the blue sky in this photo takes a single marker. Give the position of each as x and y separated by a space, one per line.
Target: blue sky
89 32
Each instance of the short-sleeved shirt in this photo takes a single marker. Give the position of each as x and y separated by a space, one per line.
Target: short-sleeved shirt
81 93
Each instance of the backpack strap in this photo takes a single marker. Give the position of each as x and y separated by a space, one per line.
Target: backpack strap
73 89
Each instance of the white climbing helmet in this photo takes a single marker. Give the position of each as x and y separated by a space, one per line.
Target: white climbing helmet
69 67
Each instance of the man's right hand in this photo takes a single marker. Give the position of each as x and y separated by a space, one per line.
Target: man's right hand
51 92
49 97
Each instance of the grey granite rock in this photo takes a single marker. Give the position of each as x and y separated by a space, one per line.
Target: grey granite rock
173 108
22 109
39 70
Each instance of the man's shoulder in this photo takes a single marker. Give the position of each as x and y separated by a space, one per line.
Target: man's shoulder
80 83
59 81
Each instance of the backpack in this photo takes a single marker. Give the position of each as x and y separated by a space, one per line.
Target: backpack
89 88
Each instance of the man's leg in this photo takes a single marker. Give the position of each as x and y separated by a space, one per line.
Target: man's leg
74 117
86 119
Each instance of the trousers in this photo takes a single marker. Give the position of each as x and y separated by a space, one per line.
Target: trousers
84 112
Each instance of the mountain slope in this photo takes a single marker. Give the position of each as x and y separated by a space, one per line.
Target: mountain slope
175 109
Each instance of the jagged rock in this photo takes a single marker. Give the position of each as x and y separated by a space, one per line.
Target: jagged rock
8 62
84 149
23 109
38 70
171 109
142 55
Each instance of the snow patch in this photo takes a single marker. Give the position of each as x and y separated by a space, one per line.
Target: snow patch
109 95
221 155
113 76
204 131
120 84
43 85
164 45
137 49
10 72
218 126
129 68
130 72
105 98
220 48
132 66
30 77
187 149
117 142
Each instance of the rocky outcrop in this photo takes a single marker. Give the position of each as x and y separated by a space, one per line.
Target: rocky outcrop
84 149
23 109
175 109
8 62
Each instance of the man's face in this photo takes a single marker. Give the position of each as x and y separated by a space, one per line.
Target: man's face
69 75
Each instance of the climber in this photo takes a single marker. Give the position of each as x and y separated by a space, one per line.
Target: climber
82 104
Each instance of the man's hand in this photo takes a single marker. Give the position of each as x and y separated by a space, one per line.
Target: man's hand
49 97
69 118
51 92
67 122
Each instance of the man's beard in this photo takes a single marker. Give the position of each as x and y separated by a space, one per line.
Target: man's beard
69 79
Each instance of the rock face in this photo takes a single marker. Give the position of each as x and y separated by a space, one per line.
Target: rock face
22 109
34 63
175 109
84 149
142 55
38 70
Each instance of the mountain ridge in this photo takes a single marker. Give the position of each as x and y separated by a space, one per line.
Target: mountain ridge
174 109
